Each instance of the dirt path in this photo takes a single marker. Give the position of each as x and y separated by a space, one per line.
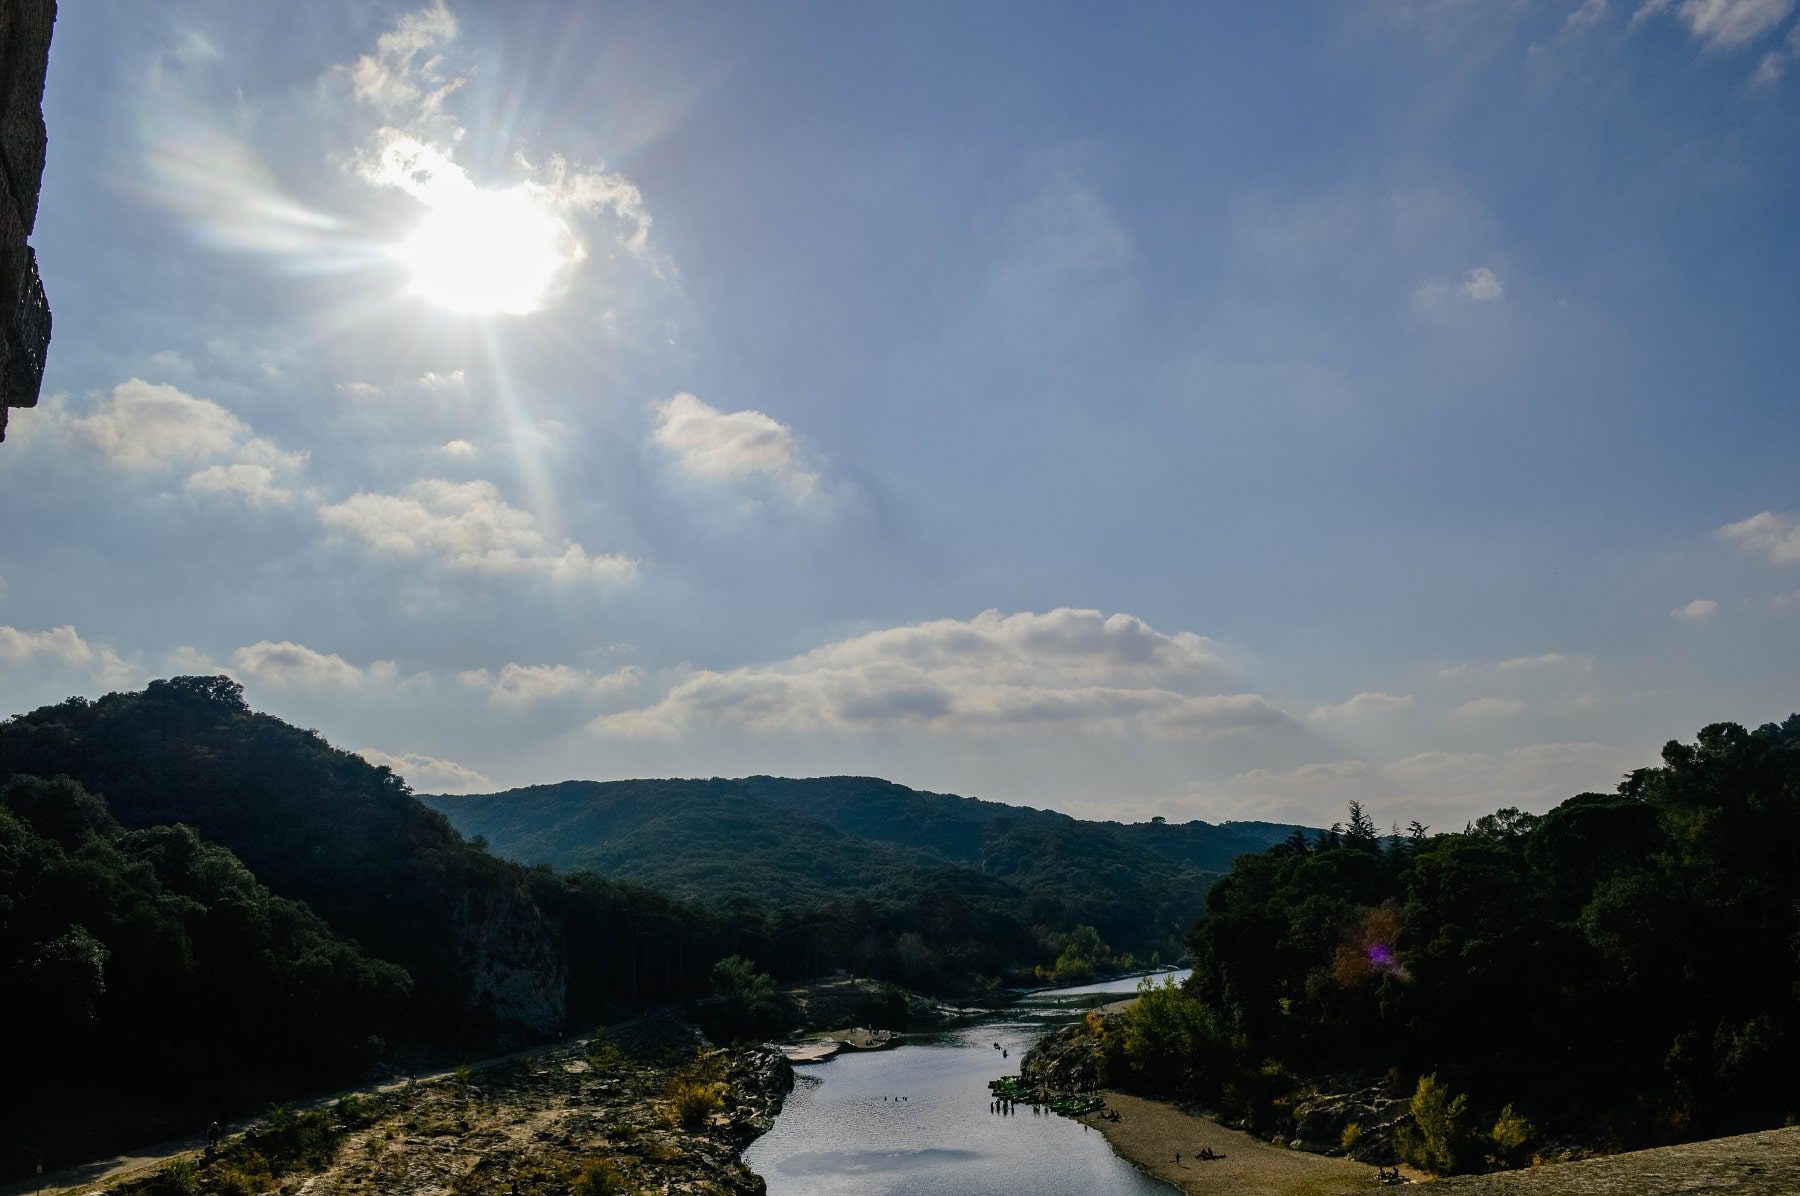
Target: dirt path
96 1173
1149 1133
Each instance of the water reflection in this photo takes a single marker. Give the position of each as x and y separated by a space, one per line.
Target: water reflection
916 1120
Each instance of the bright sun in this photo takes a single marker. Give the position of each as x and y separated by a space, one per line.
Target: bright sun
488 252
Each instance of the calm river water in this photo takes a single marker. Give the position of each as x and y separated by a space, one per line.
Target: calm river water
914 1120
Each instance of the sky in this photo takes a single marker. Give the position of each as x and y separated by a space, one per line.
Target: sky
1209 411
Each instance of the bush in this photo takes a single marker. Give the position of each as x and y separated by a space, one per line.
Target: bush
230 1181
177 1178
604 1055
1438 1141
1511 1137
697 1091
885 1008
693 1102
599 1178
352 1112
1173 1042
291 1140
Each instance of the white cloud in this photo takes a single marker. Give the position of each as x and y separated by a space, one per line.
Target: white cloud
1364 705
1543 659
189 661
428 773
1514 664
407 74
522 685
1493 707
360 390
1699 608
446 380
254 484
1722 24
1479 285
1071 669
458 448
1775 63
64 646
724 446
1586 16
288 663
465 526
1775 536
144 426
590 190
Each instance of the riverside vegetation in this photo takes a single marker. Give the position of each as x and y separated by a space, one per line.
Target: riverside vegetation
1617 972
204 909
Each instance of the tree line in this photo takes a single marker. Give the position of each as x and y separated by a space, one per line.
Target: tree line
1621 968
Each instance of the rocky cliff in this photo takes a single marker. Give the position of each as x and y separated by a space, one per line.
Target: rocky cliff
508 951
25 27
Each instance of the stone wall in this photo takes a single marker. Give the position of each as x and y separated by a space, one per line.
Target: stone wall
25 27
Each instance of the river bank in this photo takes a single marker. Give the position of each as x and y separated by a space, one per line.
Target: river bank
672 1115
1149 1133
1155 1134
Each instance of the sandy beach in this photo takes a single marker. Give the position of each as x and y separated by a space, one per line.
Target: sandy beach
1150 1132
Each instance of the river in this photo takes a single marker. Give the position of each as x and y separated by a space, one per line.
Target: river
914 1120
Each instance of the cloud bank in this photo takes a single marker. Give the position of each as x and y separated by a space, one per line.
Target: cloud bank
1077 669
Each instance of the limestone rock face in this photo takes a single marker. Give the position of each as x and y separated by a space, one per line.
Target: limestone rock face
506 949
1063 1061
25 27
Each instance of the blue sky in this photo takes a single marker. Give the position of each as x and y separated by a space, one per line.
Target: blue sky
1207 411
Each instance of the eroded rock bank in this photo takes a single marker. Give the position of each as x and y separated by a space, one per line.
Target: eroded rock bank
590 1119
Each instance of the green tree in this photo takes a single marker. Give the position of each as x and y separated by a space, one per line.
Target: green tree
1438 1139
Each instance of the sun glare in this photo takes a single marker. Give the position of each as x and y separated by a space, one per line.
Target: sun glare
488 252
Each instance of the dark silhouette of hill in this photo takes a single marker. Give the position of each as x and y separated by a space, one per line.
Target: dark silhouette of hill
318 825
794 843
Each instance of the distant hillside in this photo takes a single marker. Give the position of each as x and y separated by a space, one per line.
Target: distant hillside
795 843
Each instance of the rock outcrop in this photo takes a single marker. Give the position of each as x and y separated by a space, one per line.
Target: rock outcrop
25 27
588 1118
507 950
1064 1061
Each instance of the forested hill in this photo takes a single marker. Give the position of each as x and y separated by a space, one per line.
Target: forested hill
1615 972
795 843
